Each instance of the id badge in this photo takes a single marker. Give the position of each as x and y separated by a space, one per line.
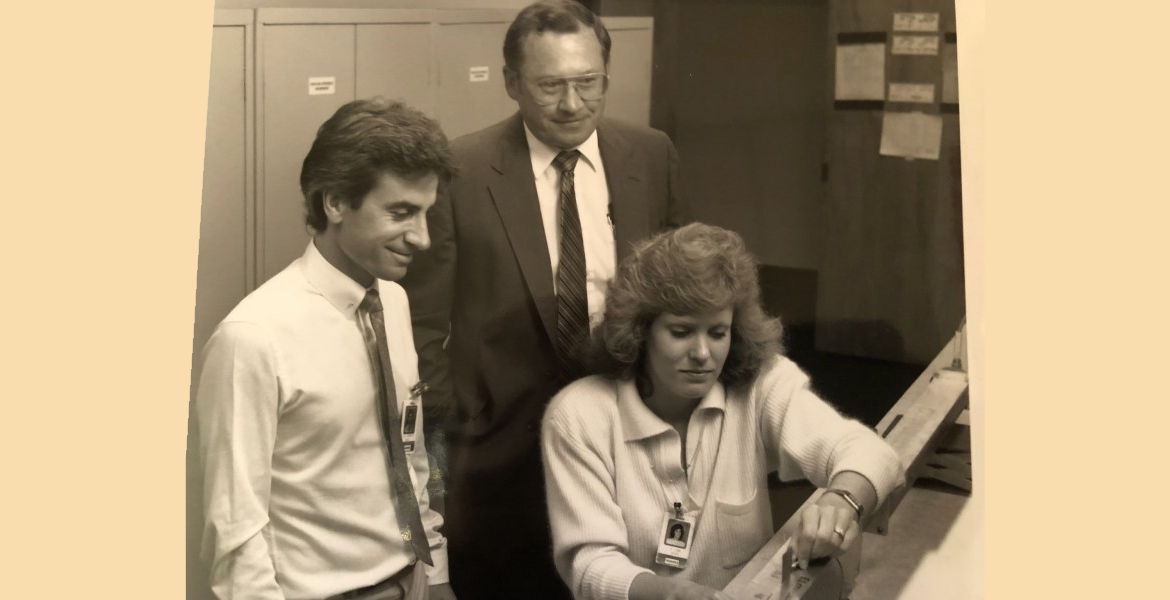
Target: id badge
410 416
675 539
409 425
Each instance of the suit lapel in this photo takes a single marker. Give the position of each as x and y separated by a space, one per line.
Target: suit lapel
624 170
514 194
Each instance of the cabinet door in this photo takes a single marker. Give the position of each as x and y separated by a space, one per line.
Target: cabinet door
225 272
292 54
224 220
471 75
630 62
393 60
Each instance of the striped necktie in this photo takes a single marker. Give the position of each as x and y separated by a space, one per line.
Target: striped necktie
572 304
406 506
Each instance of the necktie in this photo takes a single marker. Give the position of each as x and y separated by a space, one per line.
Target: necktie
572 304
406 507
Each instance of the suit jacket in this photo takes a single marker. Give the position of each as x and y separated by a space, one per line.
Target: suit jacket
487 281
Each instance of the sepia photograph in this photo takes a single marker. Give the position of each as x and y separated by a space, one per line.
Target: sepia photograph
629 257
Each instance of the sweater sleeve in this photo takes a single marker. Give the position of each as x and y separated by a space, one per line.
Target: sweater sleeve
809 438
590 542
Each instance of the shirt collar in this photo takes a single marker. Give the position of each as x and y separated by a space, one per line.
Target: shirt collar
639 422
343 293
542 154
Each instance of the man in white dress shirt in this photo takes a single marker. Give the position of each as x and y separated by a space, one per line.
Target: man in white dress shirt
297 452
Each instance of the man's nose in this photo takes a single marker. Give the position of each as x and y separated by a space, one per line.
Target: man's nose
418 235
571 100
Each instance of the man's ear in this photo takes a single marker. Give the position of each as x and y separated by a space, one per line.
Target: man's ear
334 207
512 83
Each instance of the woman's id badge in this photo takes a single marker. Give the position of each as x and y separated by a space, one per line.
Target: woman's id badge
675 539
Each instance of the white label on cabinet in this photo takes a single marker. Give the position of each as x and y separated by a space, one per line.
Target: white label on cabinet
922 45
322 85
912 92
477 74
915 21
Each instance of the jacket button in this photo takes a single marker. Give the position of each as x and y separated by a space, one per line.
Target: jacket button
534 426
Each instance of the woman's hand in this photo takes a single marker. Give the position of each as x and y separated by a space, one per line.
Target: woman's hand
648 586
827 528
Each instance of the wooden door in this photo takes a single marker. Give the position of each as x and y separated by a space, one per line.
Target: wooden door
891 277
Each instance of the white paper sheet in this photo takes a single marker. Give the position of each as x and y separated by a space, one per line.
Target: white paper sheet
911 135
915 21
919 45
912 92
861 72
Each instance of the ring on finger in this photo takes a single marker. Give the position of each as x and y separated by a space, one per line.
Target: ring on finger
839 531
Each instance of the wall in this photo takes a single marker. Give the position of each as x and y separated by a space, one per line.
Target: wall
740 86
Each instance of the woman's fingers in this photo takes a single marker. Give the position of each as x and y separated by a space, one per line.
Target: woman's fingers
824 531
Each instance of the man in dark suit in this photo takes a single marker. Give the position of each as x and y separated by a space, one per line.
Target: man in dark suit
524 243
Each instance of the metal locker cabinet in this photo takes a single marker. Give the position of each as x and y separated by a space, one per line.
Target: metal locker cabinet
630 64
226 224
293 46
469 50
225 273
393 57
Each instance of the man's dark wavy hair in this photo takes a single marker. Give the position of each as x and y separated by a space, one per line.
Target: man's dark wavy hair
363 140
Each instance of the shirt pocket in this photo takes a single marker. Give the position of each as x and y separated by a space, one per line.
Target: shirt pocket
741 529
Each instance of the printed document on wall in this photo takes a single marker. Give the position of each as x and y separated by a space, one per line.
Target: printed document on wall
861 72
911 135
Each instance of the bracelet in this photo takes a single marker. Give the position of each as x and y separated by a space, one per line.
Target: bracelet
849 499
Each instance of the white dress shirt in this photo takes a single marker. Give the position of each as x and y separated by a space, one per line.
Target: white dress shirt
297 496
592 195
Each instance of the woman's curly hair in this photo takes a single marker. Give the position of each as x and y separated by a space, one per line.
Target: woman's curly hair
696 268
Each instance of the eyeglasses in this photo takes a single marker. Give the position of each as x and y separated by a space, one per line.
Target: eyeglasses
589 87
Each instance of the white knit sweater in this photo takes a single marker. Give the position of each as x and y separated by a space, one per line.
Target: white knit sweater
613 469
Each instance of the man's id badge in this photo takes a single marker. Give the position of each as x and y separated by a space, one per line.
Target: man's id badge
675 539
410 417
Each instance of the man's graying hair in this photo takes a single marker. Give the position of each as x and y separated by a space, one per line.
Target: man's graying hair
557 16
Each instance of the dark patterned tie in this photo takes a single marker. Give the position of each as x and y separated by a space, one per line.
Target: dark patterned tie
409 519
572 303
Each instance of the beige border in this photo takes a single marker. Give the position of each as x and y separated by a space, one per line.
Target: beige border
104 137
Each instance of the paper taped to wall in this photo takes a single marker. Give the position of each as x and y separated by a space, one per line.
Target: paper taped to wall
911 135
920 45
861 72
912 92
915 21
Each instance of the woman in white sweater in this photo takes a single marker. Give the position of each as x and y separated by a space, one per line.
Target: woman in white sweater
693 406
